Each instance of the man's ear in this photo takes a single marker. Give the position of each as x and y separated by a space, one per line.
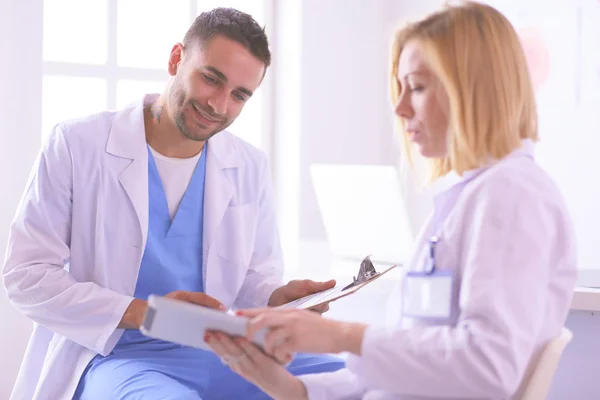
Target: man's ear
176 58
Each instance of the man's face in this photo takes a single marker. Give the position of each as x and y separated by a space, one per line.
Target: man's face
211 85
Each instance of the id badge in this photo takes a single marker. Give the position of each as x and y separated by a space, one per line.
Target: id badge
427 295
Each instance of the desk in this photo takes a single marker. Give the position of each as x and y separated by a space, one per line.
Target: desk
587 292
586 299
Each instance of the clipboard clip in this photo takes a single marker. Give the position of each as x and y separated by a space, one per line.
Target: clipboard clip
366 272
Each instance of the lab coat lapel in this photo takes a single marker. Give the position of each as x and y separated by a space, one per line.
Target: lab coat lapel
127 140
221 156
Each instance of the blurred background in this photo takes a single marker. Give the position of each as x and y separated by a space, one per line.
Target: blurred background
322 115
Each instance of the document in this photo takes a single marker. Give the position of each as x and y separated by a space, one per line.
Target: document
366 275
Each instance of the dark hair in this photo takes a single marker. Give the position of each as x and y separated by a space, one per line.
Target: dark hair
234 25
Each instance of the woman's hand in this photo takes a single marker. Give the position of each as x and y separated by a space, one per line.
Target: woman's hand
251 363
291 331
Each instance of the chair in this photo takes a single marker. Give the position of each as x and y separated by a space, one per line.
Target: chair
541 372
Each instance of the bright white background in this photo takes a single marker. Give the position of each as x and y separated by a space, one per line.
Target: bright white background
324 100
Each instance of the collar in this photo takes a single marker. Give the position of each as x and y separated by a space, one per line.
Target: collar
452 179
127 137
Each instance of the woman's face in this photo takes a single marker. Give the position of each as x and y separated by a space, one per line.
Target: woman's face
423 103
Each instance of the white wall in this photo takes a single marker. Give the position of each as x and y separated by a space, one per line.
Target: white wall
345 111
20 102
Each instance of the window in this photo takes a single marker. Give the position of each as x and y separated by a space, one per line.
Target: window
104 54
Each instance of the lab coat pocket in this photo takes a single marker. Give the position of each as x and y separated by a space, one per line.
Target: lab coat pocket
53 345
237 232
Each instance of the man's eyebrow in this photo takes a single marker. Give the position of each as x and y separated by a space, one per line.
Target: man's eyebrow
222 77
218 73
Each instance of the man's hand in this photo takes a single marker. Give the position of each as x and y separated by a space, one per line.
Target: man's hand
135 313
300 288
202 299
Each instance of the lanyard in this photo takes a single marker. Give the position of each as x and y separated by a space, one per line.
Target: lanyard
443 205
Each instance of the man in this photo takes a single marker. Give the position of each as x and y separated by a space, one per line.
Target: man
153 199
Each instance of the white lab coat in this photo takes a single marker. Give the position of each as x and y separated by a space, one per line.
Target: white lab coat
509 240
77 240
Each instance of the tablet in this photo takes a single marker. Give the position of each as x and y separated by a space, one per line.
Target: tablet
185 323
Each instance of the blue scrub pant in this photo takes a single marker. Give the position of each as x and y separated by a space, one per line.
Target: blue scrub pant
179 373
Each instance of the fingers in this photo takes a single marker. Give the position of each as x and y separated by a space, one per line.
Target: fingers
199 298
323 308
253 352
320 286
329 284
255 325
265 320
284 353
205 300
252 312
275 338
278 344
258 358
229 351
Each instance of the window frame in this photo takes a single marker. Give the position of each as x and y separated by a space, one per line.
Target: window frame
111 72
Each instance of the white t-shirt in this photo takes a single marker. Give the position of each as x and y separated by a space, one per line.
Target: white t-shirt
175 174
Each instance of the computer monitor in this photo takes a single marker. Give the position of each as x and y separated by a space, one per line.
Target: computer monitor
364 212
588 278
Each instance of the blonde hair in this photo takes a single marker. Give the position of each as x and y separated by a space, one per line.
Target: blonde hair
478 58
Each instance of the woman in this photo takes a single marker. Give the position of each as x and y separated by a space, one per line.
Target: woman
494 269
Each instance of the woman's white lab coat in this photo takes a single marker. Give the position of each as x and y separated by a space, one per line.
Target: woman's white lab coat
77 241
509 240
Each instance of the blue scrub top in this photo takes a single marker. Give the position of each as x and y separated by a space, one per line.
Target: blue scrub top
172 258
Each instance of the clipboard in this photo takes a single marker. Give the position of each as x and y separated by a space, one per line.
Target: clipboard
366 275
185 323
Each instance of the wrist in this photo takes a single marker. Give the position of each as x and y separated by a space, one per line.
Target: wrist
295 390
134 315
350 337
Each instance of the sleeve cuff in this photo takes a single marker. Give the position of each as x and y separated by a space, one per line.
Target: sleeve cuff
262 294
360 366
338 385
108 340
268 291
